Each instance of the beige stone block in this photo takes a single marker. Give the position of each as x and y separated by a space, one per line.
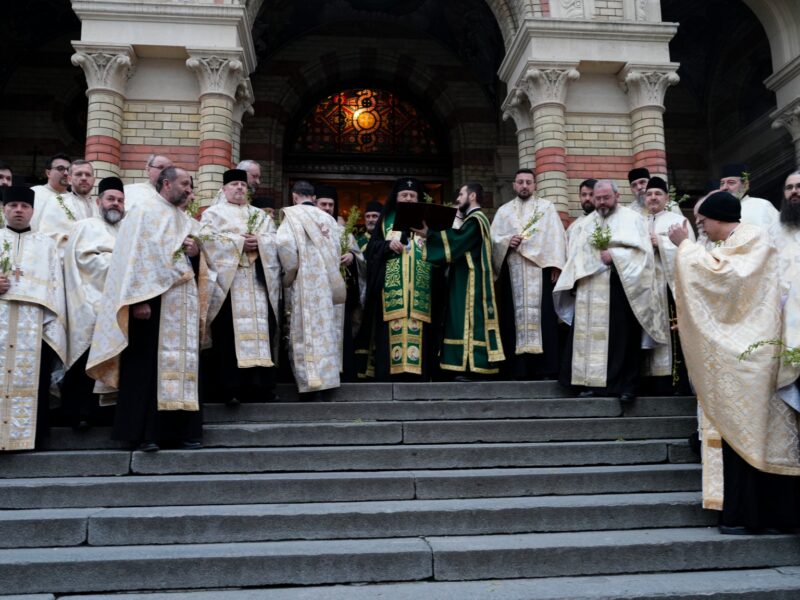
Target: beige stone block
135 139
188 126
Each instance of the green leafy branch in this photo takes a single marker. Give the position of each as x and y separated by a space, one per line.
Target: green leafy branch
254 221
202 239
349 228
65 208
673 197
789 355
601 237
528 230
5 258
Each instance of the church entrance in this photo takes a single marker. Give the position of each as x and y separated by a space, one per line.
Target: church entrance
360 140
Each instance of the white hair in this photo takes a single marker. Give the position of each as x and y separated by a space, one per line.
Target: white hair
244 164
612 184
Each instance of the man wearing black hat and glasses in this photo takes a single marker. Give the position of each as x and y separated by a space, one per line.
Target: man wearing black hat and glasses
757 211
87 255
729 298
32 319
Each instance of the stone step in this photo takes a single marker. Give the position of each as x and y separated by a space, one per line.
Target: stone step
782 583
477 390
252 564
64 464
422 456
606 552
248 435
179 490
347 520
277 522
422 410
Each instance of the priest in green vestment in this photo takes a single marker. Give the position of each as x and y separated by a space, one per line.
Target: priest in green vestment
471 331
396 339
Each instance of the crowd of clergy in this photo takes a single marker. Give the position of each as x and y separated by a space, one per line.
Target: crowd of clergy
136 299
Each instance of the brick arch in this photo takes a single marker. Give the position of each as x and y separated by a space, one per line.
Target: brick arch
466 118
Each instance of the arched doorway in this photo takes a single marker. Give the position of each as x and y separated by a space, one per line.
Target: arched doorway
360 139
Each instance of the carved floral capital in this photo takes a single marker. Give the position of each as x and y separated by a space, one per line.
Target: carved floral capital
646 85
517 107
547 84
218 71
107 67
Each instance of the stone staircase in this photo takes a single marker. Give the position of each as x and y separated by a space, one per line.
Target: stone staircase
481 490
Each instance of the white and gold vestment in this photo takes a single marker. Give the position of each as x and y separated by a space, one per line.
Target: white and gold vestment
589 308
31 311
236 274
545 245
58 216
310 252
727 299
87 255
148 262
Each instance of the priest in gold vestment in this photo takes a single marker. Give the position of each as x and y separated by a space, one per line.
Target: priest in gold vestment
241 247
528 252
665 363
32 323
308 249
87 255
147 336
608 294
728 299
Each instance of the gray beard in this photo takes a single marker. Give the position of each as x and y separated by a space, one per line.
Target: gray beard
790 214
641 198
112 216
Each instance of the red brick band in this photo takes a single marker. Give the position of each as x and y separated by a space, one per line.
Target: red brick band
215 152
654 160
134 156
599 167
104 148
552 158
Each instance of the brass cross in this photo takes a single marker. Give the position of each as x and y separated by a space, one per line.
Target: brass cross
18 273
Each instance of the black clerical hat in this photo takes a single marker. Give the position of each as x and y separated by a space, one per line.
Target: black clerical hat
640 173
325 191
733 170
234 175
18 193
657 183
263 202
374 206
721 206
110 183
409 184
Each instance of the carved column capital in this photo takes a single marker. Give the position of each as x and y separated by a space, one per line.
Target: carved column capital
646 85
218 71
107 67
789 117
546 83
517 107
243 101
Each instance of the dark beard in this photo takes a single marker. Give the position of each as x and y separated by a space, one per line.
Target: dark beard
790 214
588 208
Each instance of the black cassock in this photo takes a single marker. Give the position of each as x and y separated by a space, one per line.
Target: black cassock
373 336
755 499
624 345
78 400
137 418
528 366
349 369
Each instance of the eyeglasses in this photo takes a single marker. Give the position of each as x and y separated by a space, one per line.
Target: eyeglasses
59 168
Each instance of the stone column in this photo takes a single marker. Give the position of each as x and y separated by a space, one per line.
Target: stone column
646 86
517 107
242 106
789 118
219 73
545 85
107 68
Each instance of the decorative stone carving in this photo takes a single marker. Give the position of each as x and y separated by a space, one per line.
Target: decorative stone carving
547 84
646 85
243 101
218 71
641 10
789 118
517 107
572 9
107 67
